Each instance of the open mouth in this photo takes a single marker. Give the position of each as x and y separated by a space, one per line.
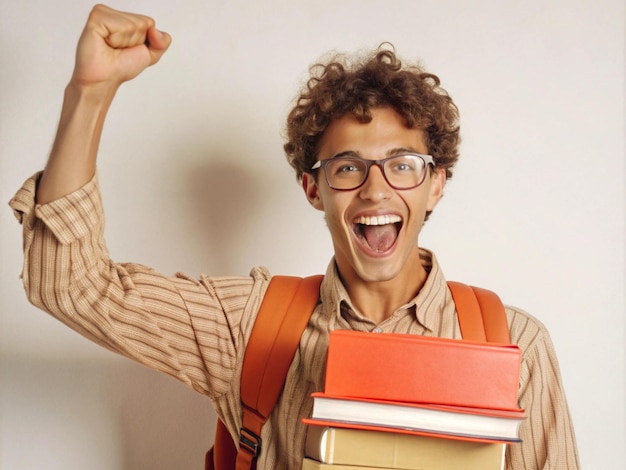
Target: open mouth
379 233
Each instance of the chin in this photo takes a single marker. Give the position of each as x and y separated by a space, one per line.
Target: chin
377 273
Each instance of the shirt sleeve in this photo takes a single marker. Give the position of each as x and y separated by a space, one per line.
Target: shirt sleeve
188 328
548 440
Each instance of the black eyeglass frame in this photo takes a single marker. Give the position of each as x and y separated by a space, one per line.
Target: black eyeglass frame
427 159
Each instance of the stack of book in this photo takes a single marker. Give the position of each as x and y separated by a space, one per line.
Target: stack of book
394 401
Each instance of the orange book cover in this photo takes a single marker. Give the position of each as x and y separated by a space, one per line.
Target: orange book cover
421 369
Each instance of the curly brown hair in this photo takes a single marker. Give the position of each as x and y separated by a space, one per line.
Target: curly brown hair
341 87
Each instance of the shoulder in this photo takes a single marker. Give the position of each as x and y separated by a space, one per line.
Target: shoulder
525 329
532 336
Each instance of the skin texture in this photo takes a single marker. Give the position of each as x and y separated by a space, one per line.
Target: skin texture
378 282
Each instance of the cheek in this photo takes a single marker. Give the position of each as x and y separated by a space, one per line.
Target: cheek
417 207
334 212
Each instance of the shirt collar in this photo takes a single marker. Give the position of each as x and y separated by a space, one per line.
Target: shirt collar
427 306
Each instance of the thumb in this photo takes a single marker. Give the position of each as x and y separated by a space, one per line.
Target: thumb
157 43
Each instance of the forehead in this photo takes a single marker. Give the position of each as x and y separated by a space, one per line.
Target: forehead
386 132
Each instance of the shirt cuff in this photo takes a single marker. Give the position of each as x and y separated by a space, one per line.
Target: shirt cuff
69 218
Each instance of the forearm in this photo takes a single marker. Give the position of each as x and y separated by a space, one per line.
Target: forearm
114 47
72 161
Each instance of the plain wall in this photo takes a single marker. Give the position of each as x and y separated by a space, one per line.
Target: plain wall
194 180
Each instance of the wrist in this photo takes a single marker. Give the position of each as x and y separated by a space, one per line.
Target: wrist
98 95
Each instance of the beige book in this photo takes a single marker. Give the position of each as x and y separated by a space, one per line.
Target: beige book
348 449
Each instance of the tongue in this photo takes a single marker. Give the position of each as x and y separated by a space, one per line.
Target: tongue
380 237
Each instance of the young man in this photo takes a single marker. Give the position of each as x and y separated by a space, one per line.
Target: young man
373 144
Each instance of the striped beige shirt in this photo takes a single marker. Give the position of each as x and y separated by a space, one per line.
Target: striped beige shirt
196 329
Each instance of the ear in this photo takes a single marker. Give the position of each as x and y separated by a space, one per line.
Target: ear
437 183
312 192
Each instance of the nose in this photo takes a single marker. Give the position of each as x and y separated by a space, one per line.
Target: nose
375 187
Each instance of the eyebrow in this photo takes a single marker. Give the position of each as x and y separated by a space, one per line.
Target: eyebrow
390 153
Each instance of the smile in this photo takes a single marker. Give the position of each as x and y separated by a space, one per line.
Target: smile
379 233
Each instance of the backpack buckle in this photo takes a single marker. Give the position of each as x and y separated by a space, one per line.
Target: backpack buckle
250 441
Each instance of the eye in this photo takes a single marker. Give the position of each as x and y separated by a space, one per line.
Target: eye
346 166
402 165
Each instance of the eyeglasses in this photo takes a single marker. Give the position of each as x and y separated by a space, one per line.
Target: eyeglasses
347 172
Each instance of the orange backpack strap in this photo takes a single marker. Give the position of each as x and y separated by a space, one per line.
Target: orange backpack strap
284 314
282 318
481 314
223 454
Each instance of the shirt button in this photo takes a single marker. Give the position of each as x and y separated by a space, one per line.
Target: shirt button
378 330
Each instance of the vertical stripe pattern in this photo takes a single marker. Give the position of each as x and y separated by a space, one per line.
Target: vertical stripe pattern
196 329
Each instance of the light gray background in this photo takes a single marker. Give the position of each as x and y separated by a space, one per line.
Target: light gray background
194 180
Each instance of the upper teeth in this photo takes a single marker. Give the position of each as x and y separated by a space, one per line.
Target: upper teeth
379 220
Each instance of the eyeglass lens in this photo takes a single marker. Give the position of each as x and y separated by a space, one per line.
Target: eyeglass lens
401 172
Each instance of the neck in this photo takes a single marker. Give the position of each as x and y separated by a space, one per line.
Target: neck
377 301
